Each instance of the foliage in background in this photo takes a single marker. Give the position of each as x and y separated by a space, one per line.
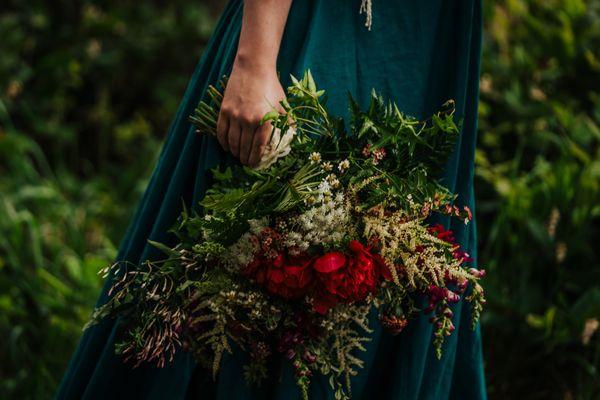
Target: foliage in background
538 181
87 89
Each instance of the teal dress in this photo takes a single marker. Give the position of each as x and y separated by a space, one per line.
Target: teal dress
419 54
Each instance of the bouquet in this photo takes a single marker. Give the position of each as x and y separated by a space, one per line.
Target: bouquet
299 257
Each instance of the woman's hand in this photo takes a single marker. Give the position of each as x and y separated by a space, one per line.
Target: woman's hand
253 88
251 92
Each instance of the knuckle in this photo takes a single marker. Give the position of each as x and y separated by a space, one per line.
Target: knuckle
226 110
249 120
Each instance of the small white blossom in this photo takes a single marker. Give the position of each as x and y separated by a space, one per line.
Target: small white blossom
325 188
242 252
327 166
344 165
333 181
315 157
311 200
257 225
326 222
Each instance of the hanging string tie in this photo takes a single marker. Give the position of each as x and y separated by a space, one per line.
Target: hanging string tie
366 7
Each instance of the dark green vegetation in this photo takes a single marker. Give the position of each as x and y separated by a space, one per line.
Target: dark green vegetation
538 189
87 89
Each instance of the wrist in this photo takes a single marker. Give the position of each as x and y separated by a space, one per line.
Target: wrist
255 62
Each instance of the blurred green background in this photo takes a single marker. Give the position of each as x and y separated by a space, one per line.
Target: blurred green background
87 89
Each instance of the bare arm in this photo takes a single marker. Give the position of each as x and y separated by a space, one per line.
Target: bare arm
253 88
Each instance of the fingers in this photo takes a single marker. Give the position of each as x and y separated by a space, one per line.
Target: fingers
243 136
223 130
246 142
233 138
259 143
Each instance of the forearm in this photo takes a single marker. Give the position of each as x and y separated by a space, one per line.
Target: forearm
253 88
263 24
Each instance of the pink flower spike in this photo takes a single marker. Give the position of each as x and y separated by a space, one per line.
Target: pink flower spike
451 296
469 213
366 151
478 273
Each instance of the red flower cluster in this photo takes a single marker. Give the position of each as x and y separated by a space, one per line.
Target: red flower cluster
333 278
345 278
285 276
377 155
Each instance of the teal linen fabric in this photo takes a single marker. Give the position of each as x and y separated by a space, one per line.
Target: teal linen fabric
419 54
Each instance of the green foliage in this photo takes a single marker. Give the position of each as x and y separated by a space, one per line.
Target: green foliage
53 240
81 85
538 183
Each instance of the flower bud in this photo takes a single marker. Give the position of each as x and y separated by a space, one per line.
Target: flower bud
309 357
290 354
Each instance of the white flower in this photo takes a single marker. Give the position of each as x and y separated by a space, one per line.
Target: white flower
326 222
279 146
311 200
344 165
315 157
325 188
257 225
333 181
241 253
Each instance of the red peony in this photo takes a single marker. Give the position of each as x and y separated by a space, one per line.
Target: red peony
345 278
333 278
285 276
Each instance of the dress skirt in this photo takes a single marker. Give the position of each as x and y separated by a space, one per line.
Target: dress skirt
418 54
